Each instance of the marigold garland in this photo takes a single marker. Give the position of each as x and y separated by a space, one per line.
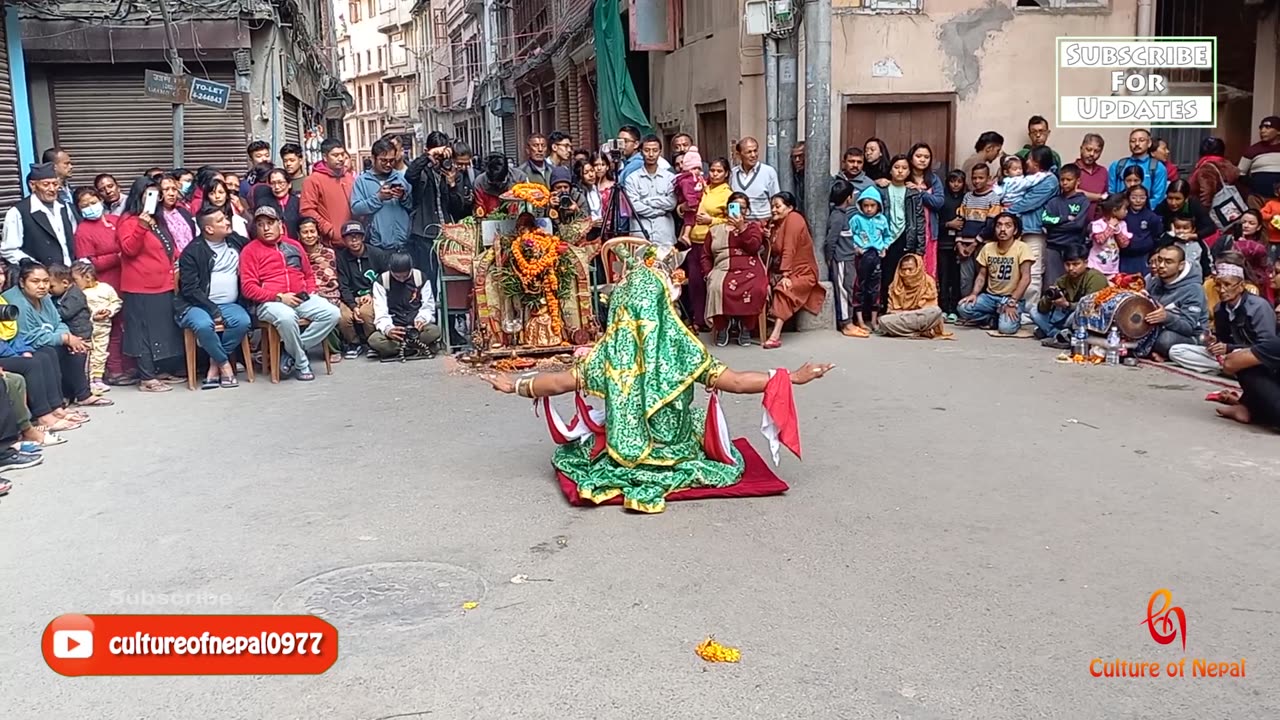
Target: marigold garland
535 194
537 254
712 651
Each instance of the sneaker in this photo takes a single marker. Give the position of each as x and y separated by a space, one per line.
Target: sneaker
1038 334
27 447
15 460
1026 319
722 337
351 352
1055 343
951 318
97 387
371 353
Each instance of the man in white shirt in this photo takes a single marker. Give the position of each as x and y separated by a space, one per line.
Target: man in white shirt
756 180
39 227
404 312
651 190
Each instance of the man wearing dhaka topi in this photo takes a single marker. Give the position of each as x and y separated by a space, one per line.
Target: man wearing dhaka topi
648 442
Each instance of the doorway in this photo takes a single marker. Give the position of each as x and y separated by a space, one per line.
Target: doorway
901 121
713 131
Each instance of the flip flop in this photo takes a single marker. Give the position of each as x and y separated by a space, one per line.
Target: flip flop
210 384
229 382
62 425
5 487
772 344
95 401
51 439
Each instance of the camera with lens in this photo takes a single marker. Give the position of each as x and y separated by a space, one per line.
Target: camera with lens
446 164
412 335
1052 293
8 313
565 202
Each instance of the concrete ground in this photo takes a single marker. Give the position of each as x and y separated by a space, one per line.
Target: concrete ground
972 524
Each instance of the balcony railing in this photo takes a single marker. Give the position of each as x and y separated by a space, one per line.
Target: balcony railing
396 18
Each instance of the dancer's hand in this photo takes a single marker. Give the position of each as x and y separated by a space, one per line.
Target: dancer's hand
810 371
501 383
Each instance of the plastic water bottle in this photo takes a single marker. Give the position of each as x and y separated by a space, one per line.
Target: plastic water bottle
1113 346
1080 342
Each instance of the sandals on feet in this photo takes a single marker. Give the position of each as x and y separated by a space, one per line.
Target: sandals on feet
95 401
62 425
210 383
772 344
304 375
153 386
229 382
51 438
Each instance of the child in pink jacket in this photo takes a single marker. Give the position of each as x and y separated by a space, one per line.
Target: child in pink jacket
1108 234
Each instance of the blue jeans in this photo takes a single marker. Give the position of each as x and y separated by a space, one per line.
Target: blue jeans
235 324
1052 322
986 308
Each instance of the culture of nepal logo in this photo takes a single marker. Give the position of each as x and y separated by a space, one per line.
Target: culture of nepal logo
1166 625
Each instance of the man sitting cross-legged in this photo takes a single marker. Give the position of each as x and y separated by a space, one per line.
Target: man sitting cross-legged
1052 316
404 312
275 272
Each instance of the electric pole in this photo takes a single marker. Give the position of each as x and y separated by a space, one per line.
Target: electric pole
175 67
817 120
771 101
788 55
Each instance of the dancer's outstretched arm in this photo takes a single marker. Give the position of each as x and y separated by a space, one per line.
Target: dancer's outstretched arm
753 382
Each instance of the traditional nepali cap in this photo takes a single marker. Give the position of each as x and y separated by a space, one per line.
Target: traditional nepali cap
43 171
352 228
1270 121
1227 270
266 211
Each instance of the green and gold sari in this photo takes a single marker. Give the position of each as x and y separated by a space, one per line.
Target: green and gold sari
645 368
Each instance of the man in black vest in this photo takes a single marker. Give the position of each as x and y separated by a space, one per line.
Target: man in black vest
40 227
403 307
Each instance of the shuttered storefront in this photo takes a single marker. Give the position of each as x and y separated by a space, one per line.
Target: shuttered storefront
11 182
509 138
108 124
292 120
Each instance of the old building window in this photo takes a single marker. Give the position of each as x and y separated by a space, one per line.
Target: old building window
1064 5
457 54
353 11
472 57
400 101
439 26
398 54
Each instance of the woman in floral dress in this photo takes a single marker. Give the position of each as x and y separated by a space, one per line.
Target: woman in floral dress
325 266
737 282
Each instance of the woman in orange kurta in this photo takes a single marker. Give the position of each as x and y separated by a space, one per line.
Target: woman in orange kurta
793 271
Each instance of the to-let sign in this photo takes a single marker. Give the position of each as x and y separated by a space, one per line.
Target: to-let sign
209 93
75 645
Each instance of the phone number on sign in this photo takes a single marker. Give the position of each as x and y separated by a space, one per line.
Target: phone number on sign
267 643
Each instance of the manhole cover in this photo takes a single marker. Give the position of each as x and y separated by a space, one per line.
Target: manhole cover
384 595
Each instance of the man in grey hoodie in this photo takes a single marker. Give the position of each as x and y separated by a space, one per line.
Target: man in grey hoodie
1181 309
851 171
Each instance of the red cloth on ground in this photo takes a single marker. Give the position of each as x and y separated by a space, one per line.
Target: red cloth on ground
758 480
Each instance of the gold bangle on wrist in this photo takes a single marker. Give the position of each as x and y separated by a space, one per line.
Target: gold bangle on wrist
532 393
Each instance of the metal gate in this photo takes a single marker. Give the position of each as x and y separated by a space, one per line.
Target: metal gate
292 120
109 125
509 138
11 183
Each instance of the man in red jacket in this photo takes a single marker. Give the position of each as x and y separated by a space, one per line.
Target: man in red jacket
276 274
326 193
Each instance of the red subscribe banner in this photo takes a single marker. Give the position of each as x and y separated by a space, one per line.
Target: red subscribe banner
189 645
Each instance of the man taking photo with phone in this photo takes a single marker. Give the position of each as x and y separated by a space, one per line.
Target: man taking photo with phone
383 197
438 199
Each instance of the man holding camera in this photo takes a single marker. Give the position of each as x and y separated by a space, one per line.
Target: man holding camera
382 196
1052 315
276 274
404 312
437 200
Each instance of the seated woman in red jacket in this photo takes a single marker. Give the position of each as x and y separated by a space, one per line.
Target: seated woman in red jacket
148 258
96 242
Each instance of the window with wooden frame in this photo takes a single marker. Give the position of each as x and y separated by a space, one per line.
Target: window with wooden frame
353 11
653 24
698 19
457 54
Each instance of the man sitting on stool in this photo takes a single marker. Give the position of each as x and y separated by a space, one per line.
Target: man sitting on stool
404 312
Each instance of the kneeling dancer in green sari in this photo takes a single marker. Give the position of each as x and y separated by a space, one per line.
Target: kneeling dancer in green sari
648 441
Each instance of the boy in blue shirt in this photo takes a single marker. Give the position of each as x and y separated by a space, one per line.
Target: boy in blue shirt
869 232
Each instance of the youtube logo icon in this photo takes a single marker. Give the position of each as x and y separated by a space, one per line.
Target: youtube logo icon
73 644
67 645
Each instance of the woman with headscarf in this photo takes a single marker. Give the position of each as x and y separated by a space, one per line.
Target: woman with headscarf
149 255
793 267
913 303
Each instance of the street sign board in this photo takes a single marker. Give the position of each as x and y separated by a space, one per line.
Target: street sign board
209 93
166 86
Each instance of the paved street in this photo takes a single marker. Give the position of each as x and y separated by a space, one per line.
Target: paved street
952 547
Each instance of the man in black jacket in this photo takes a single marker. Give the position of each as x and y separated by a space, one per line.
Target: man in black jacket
437 200
359 265
40 227
1240 321
208 299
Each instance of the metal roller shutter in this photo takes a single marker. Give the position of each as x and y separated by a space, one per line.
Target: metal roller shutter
292 120
509 137
10 173
216 137
139 133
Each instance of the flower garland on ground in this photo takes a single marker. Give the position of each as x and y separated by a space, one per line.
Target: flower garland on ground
538 263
